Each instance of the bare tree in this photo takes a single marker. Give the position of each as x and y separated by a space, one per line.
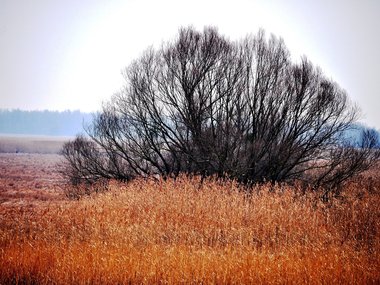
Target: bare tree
203 104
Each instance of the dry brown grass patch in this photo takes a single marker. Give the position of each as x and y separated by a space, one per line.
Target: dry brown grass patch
179 231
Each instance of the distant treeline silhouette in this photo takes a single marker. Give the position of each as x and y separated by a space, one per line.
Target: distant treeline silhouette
51 123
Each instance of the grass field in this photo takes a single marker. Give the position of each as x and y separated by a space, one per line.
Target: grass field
170 232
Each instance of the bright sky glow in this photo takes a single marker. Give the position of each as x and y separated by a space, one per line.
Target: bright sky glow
69 54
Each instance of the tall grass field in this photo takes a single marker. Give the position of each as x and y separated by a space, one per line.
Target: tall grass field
186 232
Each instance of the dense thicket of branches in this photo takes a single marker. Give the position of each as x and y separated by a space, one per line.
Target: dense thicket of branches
203 104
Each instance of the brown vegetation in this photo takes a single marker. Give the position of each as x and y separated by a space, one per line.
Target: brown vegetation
181 231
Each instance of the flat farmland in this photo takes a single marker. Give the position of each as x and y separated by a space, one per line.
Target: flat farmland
29 169
29 178
10 143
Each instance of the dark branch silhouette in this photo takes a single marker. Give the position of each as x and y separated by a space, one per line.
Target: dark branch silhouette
206 105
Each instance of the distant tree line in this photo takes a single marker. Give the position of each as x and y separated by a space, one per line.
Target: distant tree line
205 105
52 123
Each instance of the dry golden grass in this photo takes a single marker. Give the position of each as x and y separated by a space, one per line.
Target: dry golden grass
184 232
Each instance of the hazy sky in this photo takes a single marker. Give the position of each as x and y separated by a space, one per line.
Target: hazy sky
59 55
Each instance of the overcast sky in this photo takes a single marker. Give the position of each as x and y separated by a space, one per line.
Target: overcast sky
59 55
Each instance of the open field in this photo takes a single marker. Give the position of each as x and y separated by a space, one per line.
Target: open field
171 232
31 144
28 179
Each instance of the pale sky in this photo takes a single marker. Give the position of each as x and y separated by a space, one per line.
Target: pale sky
60 55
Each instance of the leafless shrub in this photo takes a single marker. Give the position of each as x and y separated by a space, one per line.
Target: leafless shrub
205 105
